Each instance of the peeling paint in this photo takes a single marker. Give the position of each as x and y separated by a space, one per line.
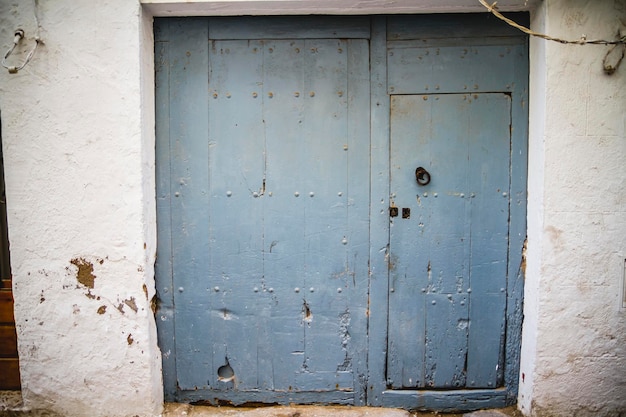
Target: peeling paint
131 303
85 274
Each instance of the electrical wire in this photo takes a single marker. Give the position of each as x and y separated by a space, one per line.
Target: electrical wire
582 41
17 37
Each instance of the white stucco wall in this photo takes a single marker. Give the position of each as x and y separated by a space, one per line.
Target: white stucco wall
79 157
78 140
574 339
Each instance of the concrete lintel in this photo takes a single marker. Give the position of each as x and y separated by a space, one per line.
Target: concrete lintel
324 7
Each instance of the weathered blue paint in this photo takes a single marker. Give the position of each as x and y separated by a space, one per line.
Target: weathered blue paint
446 401
429 56
447 261
269 213
276 259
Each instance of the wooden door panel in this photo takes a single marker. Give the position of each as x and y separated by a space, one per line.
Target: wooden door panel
269 278
449 258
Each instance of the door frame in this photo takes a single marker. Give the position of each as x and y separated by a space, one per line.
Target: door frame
377 393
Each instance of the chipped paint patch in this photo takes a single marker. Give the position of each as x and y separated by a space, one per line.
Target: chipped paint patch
130 302
84 275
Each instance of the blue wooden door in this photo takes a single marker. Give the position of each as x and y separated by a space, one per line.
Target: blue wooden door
269 211
449 240
299 257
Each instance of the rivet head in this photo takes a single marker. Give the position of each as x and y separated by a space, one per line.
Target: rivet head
345 147
339 194
176 194
255 194
425 195
462 195
296 94
340 93
469 290
449 296
255 289
392 290
423 289
339 290
214 95
297 194
270 94
435 195
504 194
311 289
255 95
433 302
311 194
344 241
271 289
296 289
216 289
227 95
181 289
229 193
312 94
462 303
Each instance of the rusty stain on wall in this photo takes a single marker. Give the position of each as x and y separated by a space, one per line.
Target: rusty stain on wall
102 309
85 274
130 339
131 303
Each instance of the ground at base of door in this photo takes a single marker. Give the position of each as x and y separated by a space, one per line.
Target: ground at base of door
186 410
11 405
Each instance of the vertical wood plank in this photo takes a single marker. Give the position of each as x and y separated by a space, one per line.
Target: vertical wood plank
189 148
283 96
517 228
356 280
236 166
490 236
326 213
163 264
409 261
379 217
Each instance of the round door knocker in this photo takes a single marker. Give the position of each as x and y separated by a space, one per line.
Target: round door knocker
422 176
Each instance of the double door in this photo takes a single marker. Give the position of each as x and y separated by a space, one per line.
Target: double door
273 198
